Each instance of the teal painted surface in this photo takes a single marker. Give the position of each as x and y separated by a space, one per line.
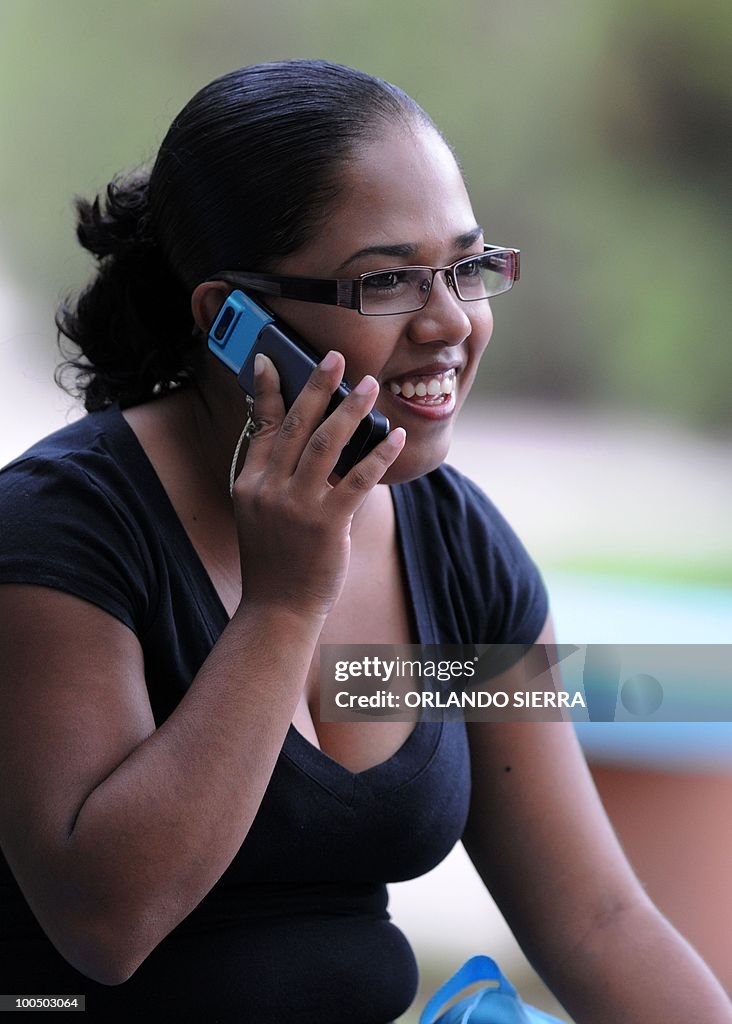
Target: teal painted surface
592 609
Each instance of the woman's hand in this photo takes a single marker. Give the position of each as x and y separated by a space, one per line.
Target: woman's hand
293 525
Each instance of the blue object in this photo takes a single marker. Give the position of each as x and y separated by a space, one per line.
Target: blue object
235 330
479 993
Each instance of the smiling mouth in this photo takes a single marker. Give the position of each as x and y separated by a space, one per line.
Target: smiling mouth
426 389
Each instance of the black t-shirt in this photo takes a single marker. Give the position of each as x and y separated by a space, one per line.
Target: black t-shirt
297 927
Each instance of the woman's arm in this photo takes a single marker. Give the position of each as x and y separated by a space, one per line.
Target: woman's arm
540 840
115 830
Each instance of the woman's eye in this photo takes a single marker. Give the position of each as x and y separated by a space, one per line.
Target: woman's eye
383 282
471 269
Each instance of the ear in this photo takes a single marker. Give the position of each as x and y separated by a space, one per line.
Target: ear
206 300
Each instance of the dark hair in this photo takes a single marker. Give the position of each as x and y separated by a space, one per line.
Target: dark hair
242 178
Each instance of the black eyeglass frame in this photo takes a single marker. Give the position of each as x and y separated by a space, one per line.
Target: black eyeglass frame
347 292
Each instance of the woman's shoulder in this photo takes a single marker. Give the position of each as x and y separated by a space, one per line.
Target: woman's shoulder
92 437
74 516
456 503
469 550
95 459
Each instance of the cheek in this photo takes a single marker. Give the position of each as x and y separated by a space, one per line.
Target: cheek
482 322
363 341
320 326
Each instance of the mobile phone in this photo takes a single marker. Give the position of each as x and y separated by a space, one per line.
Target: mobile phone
243 328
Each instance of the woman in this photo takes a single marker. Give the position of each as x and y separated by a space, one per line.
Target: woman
190 838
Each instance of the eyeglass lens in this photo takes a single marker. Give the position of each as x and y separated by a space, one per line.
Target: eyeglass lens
407 289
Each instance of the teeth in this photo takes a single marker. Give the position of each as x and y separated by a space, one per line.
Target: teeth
440 384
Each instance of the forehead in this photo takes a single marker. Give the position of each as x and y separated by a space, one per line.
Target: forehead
403 187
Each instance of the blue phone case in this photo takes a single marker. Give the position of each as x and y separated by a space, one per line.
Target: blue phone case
243 328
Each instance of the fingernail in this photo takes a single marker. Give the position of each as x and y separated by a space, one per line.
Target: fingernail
260 362
396 437
329 361
366 386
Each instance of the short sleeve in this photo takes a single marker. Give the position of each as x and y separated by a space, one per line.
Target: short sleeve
63 528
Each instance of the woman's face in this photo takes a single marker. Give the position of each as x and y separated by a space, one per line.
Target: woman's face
404 201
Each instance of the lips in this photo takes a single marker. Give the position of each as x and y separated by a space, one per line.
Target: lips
431 395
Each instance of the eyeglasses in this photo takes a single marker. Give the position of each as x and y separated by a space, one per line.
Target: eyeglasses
398 290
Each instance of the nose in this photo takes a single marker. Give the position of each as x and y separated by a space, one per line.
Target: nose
444 317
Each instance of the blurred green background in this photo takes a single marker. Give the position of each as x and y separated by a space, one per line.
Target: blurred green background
594 135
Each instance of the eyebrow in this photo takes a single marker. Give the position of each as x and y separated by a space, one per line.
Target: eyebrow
407 250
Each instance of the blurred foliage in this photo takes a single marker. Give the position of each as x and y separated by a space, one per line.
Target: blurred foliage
678 572
594 135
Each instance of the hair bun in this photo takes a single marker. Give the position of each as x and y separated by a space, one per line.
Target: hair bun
245 176
117 223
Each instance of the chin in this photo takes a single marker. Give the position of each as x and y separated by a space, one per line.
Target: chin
412 464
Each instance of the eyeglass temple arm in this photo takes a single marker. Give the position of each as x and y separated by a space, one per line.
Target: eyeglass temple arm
328 292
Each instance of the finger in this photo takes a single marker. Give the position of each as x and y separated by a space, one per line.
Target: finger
352 490
326 443
268 411
306 413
